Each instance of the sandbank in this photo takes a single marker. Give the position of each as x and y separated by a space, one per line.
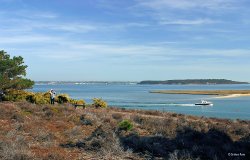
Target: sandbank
233 96
218 93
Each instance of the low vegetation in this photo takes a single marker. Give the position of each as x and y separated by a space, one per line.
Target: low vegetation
63 98
125 125
43 98
99 103
42 131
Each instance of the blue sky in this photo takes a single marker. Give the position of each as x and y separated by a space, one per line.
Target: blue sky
128 39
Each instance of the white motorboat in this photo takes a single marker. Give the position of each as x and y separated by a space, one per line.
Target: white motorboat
204 103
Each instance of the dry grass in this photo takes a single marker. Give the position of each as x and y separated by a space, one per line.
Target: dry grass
29 131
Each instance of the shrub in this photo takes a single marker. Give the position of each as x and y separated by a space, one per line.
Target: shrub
31 98
44 98
20 95
63 98
46 95
125 125
15 95
38 98
79 102
99 103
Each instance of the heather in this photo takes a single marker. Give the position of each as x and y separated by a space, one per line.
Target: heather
43 131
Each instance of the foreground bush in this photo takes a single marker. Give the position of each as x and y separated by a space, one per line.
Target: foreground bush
38 98
99 103
125 125
20 96
78 102
16 95
62 98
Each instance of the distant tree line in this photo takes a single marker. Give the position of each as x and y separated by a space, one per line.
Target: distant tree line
194 81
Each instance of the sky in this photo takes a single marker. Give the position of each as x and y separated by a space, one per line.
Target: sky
128 40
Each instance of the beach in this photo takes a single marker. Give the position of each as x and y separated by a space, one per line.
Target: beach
233 96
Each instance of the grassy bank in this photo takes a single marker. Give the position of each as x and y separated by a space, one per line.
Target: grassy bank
32 131
204 92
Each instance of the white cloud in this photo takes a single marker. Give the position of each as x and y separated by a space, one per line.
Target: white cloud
189 22
29 14
152 53
188 4
29 39
69 27
68 47
188 12
30 23
38 15
89 27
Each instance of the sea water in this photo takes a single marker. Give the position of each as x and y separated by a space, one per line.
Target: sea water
135 96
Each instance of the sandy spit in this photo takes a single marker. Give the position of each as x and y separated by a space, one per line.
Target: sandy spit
232 96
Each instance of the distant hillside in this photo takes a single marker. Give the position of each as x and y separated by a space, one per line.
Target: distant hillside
194 81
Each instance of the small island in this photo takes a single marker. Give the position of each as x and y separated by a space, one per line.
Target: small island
220 93
193 81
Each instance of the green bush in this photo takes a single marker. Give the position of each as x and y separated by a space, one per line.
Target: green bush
79 102
125 125
31 98
62 98
46 95
16 95
38 98
20 95
99 103
43 98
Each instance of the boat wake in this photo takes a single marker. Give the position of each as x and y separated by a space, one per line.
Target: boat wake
154 104
183 105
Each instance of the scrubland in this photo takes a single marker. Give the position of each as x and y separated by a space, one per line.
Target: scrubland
43 131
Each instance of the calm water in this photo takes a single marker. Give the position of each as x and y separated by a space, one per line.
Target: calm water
138 97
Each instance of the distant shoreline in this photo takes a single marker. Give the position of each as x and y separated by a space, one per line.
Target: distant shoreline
219 93
193 81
